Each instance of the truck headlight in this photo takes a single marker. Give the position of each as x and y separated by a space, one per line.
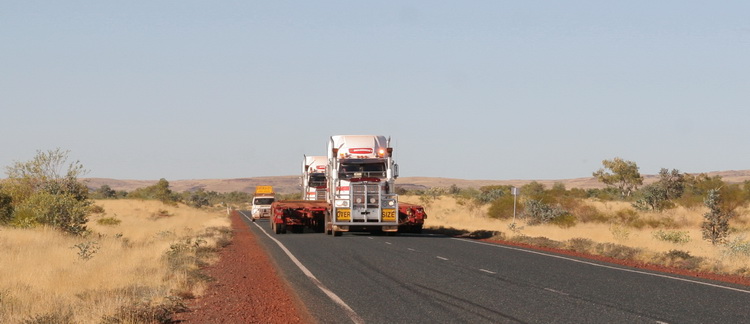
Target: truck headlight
389 203
342 203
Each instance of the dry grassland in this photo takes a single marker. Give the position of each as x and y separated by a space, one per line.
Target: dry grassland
46 273
446 212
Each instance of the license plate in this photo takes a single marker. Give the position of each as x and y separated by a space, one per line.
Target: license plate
389 215
343 215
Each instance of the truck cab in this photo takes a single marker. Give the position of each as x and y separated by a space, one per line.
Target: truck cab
314 177
360 191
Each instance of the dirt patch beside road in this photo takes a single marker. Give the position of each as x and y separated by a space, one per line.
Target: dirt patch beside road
246 289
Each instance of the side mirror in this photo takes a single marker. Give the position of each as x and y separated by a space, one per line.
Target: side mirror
395 171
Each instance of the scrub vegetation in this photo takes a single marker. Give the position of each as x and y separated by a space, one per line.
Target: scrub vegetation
67 258
695 222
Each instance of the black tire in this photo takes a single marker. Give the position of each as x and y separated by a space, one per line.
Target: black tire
337 233
276 228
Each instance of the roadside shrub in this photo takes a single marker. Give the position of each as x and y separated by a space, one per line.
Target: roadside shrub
565 221
60 317
617 251
537 241
678 254
677 237
147 312
682 259
582 245
502 208
589 214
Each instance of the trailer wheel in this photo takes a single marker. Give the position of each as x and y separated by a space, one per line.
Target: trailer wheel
276 228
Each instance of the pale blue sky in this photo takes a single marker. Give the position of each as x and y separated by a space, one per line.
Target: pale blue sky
466 89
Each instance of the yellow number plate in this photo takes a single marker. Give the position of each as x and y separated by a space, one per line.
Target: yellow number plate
343 215
389 215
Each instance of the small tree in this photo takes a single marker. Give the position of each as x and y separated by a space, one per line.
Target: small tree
104 192
621 174
653 197
43 192
715 227
672 183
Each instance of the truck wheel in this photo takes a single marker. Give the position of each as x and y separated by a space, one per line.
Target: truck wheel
417 229
276 228
337 233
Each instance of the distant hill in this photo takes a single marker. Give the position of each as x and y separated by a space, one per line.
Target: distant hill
291 184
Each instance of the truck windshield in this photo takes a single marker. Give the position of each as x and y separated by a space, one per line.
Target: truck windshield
317 180
263 201
362 170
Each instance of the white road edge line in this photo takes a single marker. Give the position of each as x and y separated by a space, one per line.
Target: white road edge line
487 271
335 298
605 266
442 258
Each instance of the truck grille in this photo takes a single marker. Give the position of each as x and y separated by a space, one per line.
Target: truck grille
365 196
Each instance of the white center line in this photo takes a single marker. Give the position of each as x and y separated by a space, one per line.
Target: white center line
556 291
487 271
442 258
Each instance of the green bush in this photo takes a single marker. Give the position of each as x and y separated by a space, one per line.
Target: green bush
6 208
566 220
737 247
502 208
60 211
536 212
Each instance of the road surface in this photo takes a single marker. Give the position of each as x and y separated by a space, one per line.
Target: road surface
362 278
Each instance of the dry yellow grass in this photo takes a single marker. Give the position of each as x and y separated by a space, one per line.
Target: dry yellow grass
446 212
43 272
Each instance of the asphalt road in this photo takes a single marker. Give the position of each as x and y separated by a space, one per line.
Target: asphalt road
361 278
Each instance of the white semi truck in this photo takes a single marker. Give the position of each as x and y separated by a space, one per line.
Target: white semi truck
359 192
262 200
360 189
314 177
